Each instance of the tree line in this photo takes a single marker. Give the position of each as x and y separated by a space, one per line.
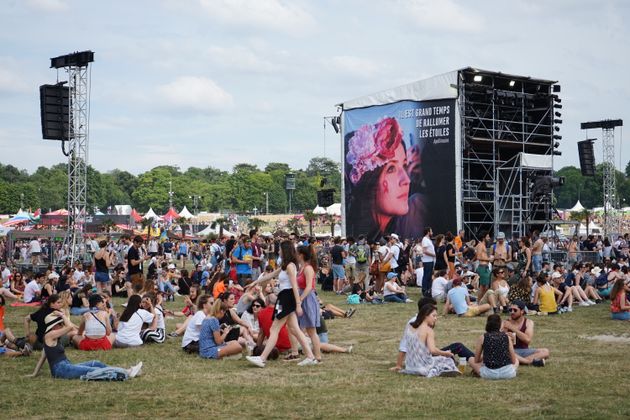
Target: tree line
241 190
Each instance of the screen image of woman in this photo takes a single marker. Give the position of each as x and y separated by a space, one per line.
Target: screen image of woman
378 183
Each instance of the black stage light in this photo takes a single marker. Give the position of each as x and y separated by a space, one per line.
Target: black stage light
557 106
557 137
335 121
557 121
557 114
556 88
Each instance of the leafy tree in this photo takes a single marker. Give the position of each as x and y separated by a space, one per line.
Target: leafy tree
310 217
294 225
255 223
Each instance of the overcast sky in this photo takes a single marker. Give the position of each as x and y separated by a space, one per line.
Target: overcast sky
218 82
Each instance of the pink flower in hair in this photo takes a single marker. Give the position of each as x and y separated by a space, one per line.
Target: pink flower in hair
372 146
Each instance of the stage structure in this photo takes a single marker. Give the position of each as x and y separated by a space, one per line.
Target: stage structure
479 148
76 66
611 197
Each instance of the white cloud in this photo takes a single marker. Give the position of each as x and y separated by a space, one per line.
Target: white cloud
198 94
444 14
354 66
48 5
239 58
279 15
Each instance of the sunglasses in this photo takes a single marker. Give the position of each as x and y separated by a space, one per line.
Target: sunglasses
513 310
501 272
256 306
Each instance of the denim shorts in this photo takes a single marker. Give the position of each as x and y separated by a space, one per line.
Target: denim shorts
505 372
525 352
323 337
101 277
620 316
339 272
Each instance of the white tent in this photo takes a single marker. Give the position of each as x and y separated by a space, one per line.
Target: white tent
185 213
334 209
209 230
577 208
151 215
319 210
122 209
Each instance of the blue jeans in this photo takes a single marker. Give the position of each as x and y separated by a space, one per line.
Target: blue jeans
537 263
66 370
394 298
620 316
427 278
163 285
78 311
460 350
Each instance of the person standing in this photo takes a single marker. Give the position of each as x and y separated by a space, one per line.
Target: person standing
337 255
363 256
257 255
501 253
483 269
134 264
351 261
102 263
288 308
537 249
428 261
242 256
35 250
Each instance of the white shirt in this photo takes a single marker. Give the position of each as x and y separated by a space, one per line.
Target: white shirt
35 246
419 275
251 321
6 273
427 248
439 287
31 291
193 329
395 250
153 246
159 312
129 332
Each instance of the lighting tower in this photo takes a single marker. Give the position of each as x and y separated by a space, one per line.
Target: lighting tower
611 198
76 65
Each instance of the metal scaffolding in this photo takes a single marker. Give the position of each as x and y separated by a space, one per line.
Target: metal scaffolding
503 117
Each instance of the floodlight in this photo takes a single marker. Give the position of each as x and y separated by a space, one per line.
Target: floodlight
478 78
512 83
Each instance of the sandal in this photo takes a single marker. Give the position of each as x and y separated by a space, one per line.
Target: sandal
291 357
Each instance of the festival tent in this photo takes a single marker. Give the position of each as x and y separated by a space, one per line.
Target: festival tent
60 212
17 220
577 208
334 209
136 217
4 230
185 213
207 231
170 215
319 210
150 215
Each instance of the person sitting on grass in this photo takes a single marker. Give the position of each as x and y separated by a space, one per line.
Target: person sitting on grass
422 357
212 336
457 348
132 319
157 334
190 341
189 310
54 303
458 301
522 291
619 304
58 325
250 317
494 355
10 346
392 292
240 328
95 331
545 295
522 330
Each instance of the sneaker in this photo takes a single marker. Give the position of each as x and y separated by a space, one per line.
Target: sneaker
173 334
450 373
349 349
350 313
27 349
308 362
584 304
256 361
539 363
569 309
409 301
598 301
590 302
135 370
562 310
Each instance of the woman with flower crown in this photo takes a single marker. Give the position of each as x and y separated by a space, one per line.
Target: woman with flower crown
378 192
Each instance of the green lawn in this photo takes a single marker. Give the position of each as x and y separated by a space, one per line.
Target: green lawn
583 379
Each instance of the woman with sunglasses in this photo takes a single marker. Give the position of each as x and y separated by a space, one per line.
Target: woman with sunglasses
250 316
17 284
545 295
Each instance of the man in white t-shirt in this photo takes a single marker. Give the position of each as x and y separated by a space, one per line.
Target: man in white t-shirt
394 248
439 288
152 248
5 273
35 249
32 291
428 260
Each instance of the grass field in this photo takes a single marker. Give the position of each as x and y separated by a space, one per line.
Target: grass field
583 379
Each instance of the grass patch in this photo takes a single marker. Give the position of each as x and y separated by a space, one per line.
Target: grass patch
584 378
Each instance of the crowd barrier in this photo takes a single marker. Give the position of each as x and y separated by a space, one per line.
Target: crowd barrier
563 257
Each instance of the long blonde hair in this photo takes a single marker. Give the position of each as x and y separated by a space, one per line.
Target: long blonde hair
219 306
63 297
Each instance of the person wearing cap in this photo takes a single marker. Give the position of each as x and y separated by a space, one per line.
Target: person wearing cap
500 252
95 331
522 330
458 301
392 291
58 325
242 256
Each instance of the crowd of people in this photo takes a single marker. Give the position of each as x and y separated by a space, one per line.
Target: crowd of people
258 296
